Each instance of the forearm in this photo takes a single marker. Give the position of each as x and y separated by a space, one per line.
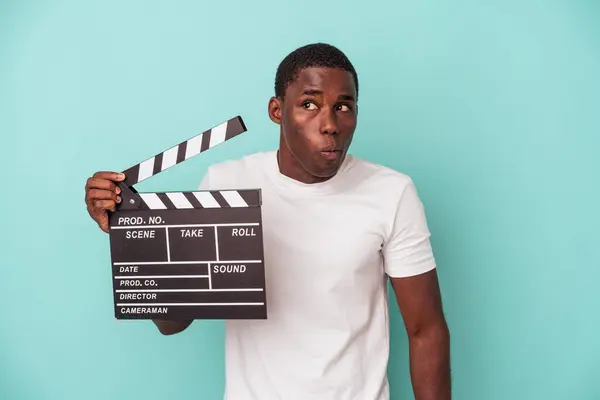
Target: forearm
430 363
171 327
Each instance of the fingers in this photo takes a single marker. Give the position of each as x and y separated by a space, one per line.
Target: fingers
99 206
111 176
100 194
101 183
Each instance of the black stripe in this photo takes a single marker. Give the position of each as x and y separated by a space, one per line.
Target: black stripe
131 175
163 269
192 199
181 152
220 199
251 197
205 140
235 126
199 312
167 202
157 164
200 297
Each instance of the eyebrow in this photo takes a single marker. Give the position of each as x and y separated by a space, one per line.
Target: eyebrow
316 92
312 92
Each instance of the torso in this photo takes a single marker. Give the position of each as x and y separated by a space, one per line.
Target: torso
327 334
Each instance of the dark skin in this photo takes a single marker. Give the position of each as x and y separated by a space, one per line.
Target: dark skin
320 111
317 121
102 196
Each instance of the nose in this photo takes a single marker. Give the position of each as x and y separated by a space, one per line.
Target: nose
328 123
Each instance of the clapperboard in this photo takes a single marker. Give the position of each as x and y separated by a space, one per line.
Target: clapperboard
187 255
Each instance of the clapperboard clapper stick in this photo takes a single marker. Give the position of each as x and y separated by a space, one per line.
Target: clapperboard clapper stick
187 255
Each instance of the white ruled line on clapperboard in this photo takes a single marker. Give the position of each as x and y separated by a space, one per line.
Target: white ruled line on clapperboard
188 255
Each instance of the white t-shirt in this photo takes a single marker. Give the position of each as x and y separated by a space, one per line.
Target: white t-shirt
328 248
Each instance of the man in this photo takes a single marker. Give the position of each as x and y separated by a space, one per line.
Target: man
335 228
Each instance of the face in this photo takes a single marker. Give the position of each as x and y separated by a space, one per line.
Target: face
317 117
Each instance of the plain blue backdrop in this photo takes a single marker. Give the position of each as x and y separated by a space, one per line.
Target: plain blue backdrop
491 106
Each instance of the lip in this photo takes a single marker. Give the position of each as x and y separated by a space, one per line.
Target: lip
330 154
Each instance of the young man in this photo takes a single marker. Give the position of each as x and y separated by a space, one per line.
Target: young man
335 228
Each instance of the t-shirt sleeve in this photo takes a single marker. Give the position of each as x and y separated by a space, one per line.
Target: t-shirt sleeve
205 183
407 251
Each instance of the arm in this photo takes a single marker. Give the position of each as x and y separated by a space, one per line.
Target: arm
420 304
171 327
101 196
410 264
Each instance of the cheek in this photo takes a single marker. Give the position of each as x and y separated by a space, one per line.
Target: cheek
311 136
347 126
347 123
303 128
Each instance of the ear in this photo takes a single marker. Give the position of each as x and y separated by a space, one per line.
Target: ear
275 109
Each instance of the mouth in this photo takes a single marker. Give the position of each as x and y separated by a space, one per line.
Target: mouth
331 153
331 148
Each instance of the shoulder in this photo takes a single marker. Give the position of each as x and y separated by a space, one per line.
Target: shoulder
237 172
379 178
391 191
392 195
239 165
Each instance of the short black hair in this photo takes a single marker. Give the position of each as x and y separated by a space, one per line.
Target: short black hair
311 55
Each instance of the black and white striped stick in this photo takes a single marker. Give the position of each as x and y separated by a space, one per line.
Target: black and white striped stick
201 199
184 150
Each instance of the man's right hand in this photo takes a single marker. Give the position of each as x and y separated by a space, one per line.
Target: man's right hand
102 195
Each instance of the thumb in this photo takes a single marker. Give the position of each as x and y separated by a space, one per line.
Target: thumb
103 223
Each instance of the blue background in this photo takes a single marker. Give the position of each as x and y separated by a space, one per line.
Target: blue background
491 106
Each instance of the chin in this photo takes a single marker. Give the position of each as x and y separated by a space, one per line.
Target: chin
323 168
326 172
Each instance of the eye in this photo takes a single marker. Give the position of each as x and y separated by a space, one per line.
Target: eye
309 105
343 107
